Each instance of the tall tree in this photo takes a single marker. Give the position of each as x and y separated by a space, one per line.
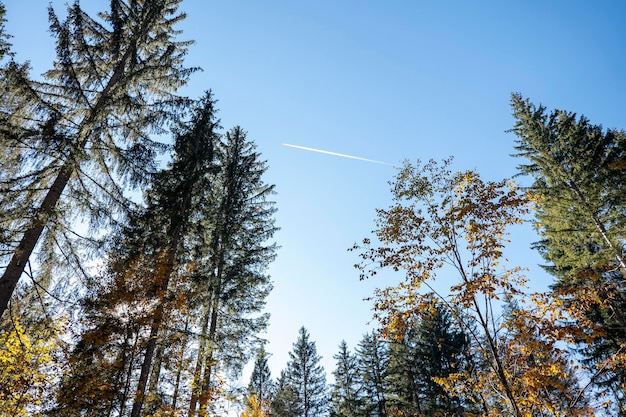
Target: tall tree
139 293
579 172
232 276
261 387
346 390
77 138
306 377
5 45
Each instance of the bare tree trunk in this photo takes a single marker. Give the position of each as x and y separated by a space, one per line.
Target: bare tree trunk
155 375
157 321
129 375
209 362
25 248
179 369
197 374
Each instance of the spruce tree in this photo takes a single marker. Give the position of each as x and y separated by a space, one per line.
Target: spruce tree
433 348
261 384
138 292
72 142
306 378
231 277
285 399
346 390
579 172
373 357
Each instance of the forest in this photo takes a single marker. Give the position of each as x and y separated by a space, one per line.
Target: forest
131 287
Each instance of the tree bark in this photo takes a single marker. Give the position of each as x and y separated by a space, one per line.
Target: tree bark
25 248
197 375
209 363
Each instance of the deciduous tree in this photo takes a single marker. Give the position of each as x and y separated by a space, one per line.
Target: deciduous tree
452 224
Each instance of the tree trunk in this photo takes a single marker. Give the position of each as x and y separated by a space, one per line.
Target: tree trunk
25 248
140 395
197 375
179 369
155 374
162 284
209 363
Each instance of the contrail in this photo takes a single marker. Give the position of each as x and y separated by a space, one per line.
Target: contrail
337 154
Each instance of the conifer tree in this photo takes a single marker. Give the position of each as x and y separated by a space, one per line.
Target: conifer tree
261 388
433 348
373 357
305 377
261 384
138 293
232 274
579 172
346 390
72 142
5 45
285 399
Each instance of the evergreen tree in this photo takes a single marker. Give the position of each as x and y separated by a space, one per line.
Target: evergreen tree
285 399
433 348
261 384
5 45
579 185
125 313
373 357
345 393
231 277
306 378
260 391
86 125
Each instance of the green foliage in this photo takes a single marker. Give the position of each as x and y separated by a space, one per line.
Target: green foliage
373 358
302 387
73 142
345 393
433 348
144 315
261 386
579 172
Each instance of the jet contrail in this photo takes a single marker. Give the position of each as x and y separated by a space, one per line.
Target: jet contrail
337 154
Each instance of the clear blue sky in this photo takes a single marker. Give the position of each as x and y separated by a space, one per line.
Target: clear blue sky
381 80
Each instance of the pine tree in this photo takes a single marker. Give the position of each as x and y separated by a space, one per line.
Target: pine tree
85 127
345 392
306 378
579 185
373 357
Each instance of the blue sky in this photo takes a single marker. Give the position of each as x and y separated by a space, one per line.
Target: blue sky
387 81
